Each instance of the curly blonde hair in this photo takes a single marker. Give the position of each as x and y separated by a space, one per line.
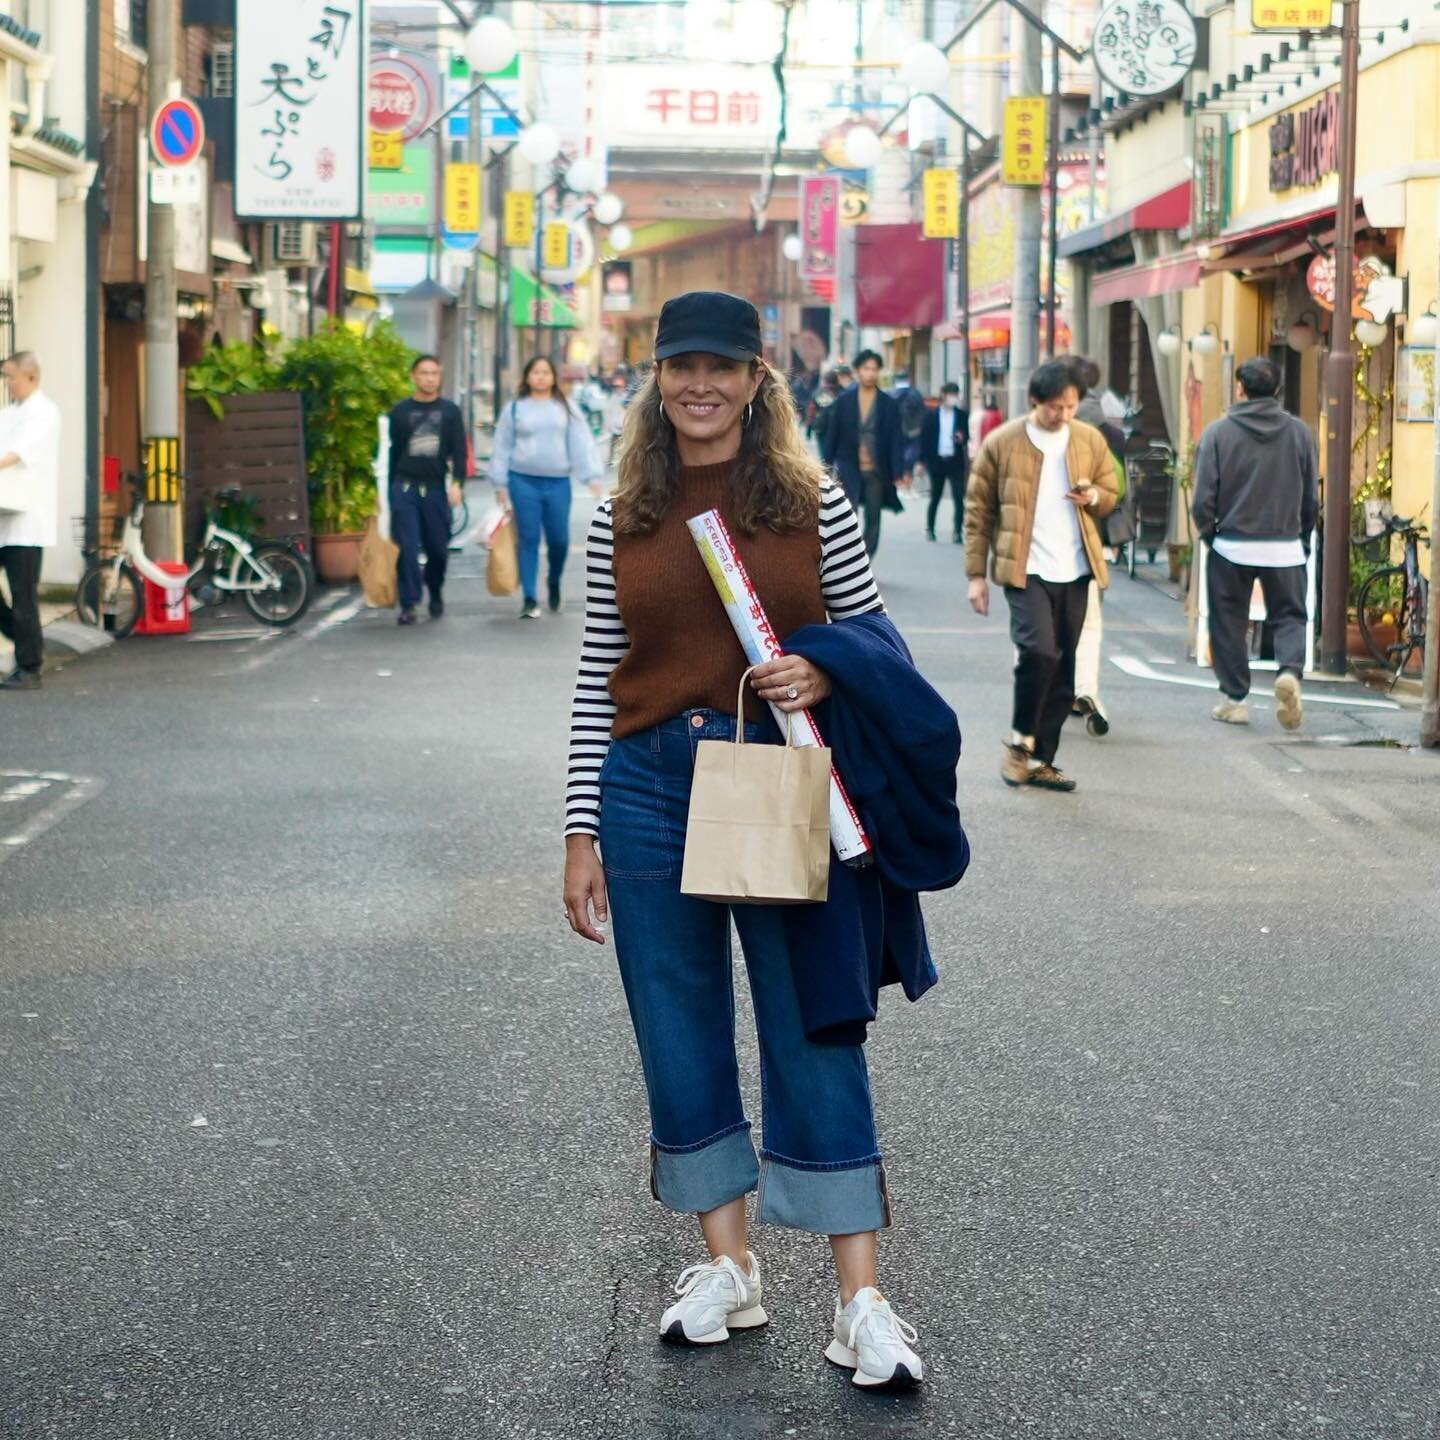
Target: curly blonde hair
776 481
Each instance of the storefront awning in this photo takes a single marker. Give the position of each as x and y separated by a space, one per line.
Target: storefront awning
1141 282
555 313
1169 210
991 331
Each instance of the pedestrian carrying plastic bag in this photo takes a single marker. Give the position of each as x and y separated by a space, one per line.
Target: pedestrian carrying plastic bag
502 573
378 558
759 826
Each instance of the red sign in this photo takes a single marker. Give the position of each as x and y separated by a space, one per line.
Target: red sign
400 98
177 133
820 227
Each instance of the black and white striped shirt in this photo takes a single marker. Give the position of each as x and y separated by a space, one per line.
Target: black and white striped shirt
846 583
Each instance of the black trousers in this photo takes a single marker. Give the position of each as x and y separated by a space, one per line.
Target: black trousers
953 471
1045 624
869 499
20 619
1228 588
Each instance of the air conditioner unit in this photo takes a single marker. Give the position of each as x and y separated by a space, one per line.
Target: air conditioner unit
222 70
293 242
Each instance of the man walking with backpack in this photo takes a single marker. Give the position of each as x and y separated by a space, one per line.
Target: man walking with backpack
1257 498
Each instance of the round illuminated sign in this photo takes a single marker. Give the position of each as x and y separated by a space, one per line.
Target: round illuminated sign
401 98
1144 47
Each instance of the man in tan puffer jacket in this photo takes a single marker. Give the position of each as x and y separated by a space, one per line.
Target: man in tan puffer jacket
1037 491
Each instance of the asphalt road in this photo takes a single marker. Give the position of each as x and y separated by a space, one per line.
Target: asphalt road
316 1121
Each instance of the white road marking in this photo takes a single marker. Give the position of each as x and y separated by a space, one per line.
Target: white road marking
1141 671
337 616
77 790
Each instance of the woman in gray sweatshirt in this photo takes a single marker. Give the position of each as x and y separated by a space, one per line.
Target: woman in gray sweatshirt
541 443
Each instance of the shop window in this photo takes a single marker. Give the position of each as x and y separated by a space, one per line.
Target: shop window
132 22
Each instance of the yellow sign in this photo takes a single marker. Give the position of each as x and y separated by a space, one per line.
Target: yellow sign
1023 150
1291 14
557 245
942 205
387 150
519 219
462 199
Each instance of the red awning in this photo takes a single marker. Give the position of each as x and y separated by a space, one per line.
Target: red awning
1169 210
992 331
1141 282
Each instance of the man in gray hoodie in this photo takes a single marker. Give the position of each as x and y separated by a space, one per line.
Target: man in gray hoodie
1256 503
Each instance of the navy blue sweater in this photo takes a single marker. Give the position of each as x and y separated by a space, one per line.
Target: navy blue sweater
896 745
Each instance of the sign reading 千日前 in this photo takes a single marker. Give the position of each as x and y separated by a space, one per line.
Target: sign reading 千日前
300 131
819 227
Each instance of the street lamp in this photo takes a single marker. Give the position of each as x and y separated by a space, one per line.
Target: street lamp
792 247
1168 341
608 208
862 147
620 237
1207 342
540 144
583 177
924 68
1371 334
489 45
1423 329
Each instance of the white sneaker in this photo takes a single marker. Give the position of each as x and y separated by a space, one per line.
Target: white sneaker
1288 708
715 1298
874 1342
1231 712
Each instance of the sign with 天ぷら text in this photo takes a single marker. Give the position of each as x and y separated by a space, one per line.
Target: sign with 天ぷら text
300 132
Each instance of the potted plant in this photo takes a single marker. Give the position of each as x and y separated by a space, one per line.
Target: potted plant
347 380
235 369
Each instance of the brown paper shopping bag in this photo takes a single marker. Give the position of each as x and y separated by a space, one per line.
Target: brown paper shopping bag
502 573
759 827
377 566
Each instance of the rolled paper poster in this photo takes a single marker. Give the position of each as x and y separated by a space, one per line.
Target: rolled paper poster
760 643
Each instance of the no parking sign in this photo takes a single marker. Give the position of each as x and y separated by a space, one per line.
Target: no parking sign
177 133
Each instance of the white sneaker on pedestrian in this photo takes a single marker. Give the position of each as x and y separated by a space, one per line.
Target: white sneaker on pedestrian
1289 710
874 1342
1231 712
715 1298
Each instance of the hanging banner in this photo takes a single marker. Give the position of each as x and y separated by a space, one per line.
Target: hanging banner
519 219
820 197
942 204
300 132
462 199
556 251
1023 145
1291 14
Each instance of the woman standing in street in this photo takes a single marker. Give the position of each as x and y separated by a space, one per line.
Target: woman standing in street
715 427
541 443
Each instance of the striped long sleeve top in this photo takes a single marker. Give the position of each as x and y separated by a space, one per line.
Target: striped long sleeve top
846 583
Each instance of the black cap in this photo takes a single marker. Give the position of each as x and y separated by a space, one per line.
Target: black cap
711 321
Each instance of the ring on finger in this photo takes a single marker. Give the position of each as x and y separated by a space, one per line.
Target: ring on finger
792 692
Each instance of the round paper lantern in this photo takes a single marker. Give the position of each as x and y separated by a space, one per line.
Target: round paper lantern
925 69
608 208
489 45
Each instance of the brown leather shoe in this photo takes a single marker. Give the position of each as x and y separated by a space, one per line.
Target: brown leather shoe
1047 777
1015 768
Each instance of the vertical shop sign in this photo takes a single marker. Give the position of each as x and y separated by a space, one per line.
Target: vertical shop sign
519 219
462 199
942 204
556 251
1023 148
300 135
819 227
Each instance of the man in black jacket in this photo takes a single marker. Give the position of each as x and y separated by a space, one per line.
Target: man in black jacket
864 442
945 449
1256 503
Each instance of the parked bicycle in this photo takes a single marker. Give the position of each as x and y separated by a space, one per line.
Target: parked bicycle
272 576
1391 604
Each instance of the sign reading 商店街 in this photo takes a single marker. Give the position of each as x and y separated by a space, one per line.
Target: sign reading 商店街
300 131
1291 14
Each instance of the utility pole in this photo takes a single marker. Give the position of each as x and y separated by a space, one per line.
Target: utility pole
1340 367
1430 680
165 516
1025 285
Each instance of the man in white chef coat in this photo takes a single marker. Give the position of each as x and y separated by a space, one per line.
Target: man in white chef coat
29 505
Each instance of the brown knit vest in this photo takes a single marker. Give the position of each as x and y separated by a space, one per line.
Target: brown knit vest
684 654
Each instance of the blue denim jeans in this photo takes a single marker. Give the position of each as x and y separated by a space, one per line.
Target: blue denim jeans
542 504
819 1168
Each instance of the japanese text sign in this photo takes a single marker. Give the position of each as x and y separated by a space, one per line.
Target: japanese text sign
462 199
557 245
1291 14
387 151
519 219
942 204
1023 149
820 227
712 106
299 109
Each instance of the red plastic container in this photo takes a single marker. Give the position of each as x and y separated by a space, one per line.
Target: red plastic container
167 607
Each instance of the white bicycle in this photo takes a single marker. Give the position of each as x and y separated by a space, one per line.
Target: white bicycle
272 576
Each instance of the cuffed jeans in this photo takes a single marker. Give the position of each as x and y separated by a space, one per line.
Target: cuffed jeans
542 505
819 1168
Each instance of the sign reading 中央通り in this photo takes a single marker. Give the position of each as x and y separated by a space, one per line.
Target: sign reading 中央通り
519 219
1291 14
1305 147
300 135
462 198
709 107
1023 150
819 227
1144 49
942 204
